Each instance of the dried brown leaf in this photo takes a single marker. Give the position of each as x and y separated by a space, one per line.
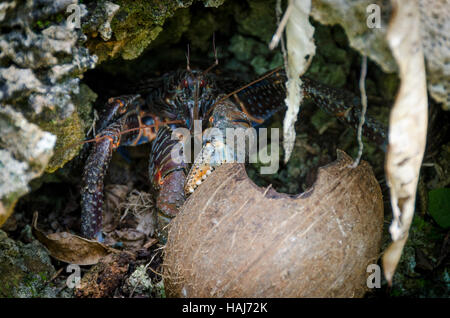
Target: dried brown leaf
407 126
71 248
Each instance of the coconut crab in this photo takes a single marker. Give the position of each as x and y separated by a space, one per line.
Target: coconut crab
177 100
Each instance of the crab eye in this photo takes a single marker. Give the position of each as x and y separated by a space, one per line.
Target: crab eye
185 83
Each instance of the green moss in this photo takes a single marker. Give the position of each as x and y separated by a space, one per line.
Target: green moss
387 84
259 20
331 64
137 44
51 19
408 280
244 48
84 101
70 132
255 53
24 269
135 26
69 135
8 203
174 28
213 3
201 31
320 119
334 75
439 206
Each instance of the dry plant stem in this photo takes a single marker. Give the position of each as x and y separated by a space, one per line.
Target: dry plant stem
56 274
278 12
281 25
94 121
362 119
137 203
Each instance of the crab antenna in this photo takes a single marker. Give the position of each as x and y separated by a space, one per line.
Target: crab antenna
188 67
196 104
216 62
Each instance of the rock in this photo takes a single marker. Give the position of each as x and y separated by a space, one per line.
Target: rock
70 132
213 3
435 20
25 269
128 30
41 59
100 19
352 16
25 154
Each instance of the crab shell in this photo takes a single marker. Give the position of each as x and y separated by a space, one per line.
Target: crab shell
235 239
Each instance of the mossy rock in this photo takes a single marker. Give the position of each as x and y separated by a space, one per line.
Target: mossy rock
25 269
71 131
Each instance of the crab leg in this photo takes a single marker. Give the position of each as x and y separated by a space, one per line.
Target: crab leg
167 176
259 101
266 97
92 182
120 113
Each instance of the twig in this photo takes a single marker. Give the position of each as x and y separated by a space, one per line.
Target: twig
278 12
279 33
362 119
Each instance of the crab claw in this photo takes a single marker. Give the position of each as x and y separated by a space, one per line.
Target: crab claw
212 155
215 152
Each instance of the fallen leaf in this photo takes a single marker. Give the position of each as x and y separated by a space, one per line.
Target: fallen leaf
407 126
70 248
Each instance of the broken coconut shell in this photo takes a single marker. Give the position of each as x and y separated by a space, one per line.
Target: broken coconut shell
235 239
